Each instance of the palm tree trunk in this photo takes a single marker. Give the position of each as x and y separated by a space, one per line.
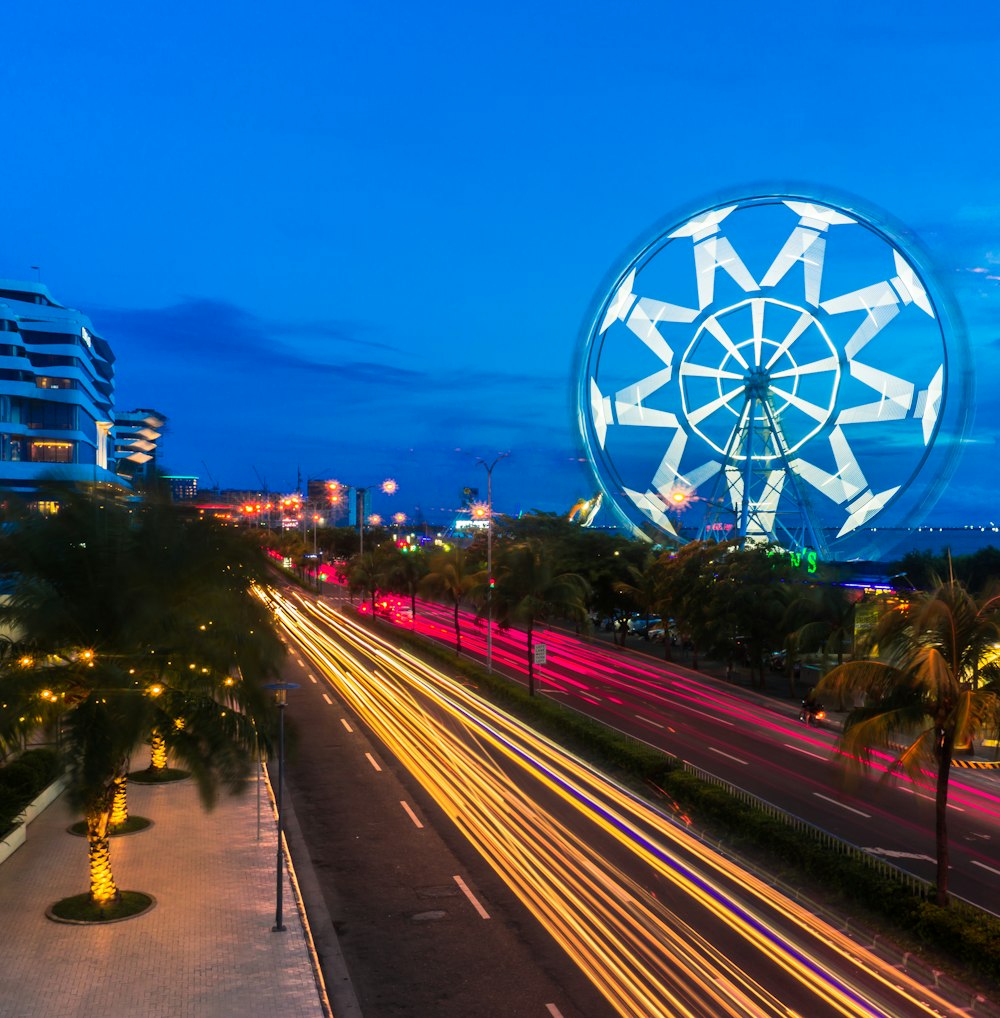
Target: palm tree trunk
458 632
103 890
119 802
941 816
157 752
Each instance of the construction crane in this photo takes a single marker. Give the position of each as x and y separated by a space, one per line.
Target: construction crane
215 484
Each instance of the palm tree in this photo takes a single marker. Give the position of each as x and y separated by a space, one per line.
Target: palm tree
528 590
920 693
451 578
643 592
405 574
369 572
822 618
129 621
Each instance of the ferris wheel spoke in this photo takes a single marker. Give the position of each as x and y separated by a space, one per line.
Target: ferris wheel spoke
816 412
812 368
690 369
714 326
697 416
800 325
757 320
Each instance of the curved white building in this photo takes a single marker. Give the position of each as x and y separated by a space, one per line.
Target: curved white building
56 393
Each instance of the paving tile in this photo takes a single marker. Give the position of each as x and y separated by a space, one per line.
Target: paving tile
205 951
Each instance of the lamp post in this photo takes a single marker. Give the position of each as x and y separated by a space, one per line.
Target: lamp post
488 467
280 696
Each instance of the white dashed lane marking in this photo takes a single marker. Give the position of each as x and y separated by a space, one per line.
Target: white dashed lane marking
867 816
343 721
799 749
412 815
373 761
728 755
475 902
328 700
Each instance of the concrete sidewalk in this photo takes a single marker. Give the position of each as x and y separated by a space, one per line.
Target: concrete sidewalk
205 950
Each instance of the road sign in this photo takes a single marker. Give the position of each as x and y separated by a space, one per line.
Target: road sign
539 653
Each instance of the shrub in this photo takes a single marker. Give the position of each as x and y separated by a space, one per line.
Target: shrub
22 779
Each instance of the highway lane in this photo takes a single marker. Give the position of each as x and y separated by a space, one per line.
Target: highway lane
766 753
660 924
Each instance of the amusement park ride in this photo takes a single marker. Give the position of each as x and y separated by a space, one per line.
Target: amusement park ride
782 367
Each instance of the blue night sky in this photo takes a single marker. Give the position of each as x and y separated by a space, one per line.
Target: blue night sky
359 240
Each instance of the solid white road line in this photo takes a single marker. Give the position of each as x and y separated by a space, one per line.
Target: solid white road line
648 721
413 816
799 749
328 700
736 758
475 903
343 721
983 866
867 816
373 761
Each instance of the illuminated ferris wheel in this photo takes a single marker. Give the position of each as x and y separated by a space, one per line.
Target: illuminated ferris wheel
783 367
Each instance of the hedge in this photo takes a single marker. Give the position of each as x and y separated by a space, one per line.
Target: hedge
22 779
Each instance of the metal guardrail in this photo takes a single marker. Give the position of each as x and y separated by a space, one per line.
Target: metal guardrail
916 885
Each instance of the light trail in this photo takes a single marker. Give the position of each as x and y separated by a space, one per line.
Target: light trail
715 941
646 681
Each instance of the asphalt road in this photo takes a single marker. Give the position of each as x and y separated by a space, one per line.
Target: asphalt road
414 944
758 745
389 869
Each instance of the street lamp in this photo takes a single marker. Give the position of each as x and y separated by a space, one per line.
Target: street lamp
488 467
280 697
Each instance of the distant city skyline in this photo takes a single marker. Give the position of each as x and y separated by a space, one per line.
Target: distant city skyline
361 242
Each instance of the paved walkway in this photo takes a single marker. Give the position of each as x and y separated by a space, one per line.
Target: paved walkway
205 951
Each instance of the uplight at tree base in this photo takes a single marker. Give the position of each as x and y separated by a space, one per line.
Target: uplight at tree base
781 367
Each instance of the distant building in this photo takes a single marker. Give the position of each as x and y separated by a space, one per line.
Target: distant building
183 487
334 501
57 383
137 435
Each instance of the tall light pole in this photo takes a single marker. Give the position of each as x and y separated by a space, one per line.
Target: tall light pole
280 696
488 467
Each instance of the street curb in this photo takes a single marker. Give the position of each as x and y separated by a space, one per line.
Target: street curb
328 956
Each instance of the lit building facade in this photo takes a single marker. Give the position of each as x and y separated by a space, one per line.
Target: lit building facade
183 487
56 393
137 435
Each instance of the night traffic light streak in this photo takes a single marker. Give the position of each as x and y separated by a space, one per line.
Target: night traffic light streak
661 924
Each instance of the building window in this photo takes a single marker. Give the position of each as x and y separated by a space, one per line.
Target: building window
54 416
50 382
51 452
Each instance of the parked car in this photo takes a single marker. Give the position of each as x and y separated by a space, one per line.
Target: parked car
640 623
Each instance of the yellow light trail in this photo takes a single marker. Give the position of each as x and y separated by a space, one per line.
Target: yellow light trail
479 764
